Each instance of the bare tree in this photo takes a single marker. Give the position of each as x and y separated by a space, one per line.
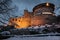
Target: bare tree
6 10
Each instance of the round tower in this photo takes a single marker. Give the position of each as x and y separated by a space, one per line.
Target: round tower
44 13
44 8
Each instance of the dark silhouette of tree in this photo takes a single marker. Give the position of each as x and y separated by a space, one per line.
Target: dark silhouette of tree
6 10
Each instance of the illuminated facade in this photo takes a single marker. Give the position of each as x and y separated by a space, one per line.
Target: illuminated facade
42 14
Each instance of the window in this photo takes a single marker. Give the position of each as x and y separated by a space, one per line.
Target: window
46 13
19 20
15 19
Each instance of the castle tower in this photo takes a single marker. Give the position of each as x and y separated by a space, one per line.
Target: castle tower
44 13
44 8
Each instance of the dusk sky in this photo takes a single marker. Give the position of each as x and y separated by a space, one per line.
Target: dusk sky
29 4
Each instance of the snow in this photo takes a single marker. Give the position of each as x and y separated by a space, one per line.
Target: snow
34 38
5 32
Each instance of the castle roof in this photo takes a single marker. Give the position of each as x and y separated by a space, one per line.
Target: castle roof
49 5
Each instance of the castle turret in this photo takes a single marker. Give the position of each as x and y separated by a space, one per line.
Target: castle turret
44 8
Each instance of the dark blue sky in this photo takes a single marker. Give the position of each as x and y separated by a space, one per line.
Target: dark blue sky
29 4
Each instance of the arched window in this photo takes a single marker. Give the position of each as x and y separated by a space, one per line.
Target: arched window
15 19
19 20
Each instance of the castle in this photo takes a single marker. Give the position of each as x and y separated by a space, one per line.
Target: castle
42 14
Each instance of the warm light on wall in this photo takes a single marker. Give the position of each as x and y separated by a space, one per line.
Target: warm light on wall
47 4
20 22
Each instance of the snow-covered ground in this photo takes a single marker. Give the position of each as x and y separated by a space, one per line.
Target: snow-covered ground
34 38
